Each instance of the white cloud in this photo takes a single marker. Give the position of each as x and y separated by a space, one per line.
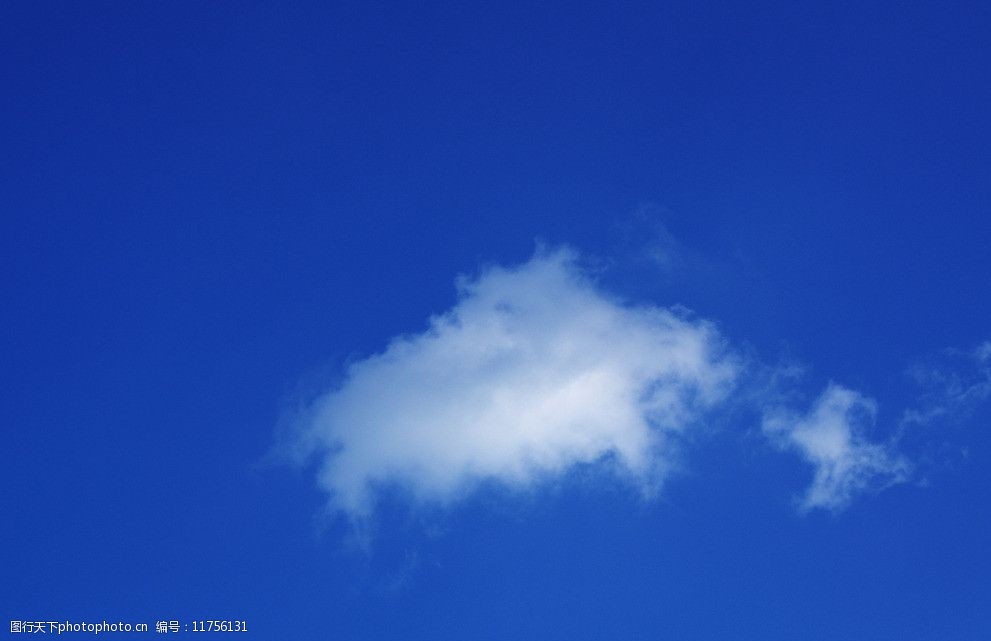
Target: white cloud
832 437
536 371
533 371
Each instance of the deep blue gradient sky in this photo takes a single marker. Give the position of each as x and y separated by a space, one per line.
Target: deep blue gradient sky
208 209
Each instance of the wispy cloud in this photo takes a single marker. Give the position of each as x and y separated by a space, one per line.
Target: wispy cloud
954 384
832 437
535 370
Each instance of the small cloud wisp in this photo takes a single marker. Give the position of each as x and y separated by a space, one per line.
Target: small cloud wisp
832 437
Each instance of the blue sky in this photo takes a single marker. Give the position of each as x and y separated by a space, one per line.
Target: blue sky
364 321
